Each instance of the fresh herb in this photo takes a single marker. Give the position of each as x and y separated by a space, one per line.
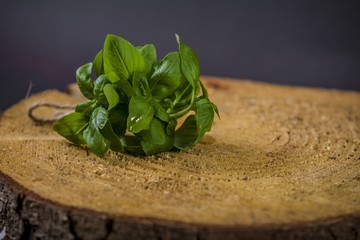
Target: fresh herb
135 101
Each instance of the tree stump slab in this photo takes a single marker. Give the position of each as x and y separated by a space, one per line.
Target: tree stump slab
282 163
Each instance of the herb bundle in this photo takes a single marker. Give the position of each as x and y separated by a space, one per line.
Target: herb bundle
135 102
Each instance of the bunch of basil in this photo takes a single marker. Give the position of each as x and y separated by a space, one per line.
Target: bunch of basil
135 101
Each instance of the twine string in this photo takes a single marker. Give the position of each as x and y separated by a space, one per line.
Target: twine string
41 120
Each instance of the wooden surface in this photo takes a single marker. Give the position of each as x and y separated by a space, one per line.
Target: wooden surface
282 162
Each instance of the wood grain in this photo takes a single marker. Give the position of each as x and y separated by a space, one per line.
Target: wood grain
283 162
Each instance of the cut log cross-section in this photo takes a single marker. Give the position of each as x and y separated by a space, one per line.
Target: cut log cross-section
282 162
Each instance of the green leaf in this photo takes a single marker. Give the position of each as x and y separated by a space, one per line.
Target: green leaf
84 80
184 96
140 85
148 53
155 134
189 63
166 77
100 83
140 114
109 134
203 90
216 110
87 108
133 145
151 149
184 92
121 57
160 111
96 142
155 139
204 117
186 136
98 63
99 117
71 127
122 84
111 95
118 118
170 128
184 107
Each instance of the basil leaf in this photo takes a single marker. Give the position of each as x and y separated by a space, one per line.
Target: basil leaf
186 136
148 53
155 139
71 127
183 94
115 142
140 85
159 111
166 77
118 118
189 63
155 134
98 63
140 114
184 89
100 83
87 108
183 108
111 95
170 128
122 84
96 142
84 80
151 149
99 117
204 117
133 145
121 57
203 90
216 110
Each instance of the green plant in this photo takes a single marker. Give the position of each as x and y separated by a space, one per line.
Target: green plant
135 102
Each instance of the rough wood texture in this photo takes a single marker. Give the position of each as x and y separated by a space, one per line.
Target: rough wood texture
282 163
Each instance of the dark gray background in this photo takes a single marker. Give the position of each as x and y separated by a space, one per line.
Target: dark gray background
306 43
